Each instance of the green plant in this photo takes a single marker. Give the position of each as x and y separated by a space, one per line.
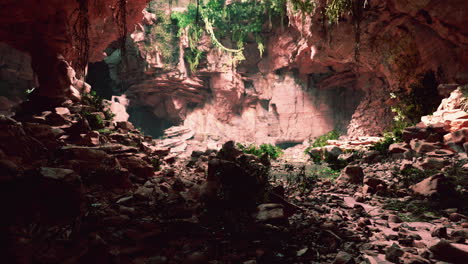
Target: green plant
336 9
388 139
414 210
98 103
321 141
410 176
94 119
104 131
308 175
273 152
239 22
162 35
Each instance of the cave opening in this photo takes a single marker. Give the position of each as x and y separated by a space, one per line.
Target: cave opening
233 131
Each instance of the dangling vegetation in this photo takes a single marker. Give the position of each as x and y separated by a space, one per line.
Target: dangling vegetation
81 36
230 27
121 20
163 36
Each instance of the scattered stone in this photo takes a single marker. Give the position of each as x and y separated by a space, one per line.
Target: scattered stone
440 232
270 213
343 258
394 219
393 253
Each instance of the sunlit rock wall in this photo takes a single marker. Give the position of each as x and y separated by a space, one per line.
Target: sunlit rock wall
276 109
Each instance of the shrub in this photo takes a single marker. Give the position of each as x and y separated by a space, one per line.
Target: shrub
98 103
95 120
273 152
388 139
321 141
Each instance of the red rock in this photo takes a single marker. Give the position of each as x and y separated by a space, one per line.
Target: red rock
351 174
437 184
440 232
421 146
460 136
398 148
137 166
431 163
451 252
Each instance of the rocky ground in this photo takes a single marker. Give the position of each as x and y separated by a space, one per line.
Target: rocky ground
77 188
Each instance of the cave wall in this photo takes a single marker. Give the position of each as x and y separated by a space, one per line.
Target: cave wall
45 29
16 77
274 108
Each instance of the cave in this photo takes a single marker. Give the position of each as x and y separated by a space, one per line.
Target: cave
273 131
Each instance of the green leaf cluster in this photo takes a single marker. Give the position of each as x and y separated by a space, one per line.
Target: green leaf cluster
273 152
239 22
321 141
98 104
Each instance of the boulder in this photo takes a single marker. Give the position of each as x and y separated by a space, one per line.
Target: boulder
14 142
125 125
394 253
351 174
137 166
435 185
343 258
430 163
398 148
8 170
332 152
59 193
460 136
450 252
414 132
421 146
271 213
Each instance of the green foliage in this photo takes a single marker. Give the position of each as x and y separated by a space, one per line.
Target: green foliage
272 151
410 176
305 179
104 131
98 103
193 57
304 6
95 120
239 22
163 35
415 210
321 141
336 9
388 139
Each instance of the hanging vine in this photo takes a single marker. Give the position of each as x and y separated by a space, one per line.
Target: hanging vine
81 36
121 21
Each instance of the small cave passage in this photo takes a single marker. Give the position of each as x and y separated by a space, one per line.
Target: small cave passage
287 144
341 100
99 78
143 118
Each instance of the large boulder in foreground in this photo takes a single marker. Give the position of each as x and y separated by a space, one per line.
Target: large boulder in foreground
450 252
46 195
236 180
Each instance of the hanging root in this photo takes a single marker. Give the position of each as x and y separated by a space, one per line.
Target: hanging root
121 20
81 36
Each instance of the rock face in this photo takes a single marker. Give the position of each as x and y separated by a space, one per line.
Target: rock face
44 29
309 81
